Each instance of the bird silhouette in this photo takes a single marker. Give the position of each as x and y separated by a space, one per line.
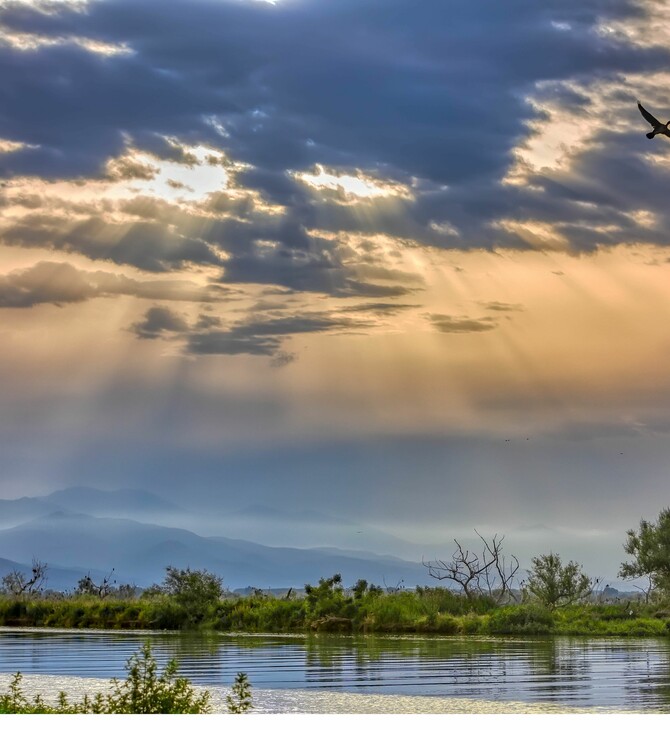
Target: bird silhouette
658 127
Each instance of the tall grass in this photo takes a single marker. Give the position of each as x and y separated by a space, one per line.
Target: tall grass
330 608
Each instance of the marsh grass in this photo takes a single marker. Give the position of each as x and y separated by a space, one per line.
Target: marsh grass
329 608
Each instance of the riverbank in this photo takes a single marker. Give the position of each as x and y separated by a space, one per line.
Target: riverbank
423 612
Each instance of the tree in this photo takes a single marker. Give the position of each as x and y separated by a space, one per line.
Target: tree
555 584
194 590
18 584
88 587
486 573
650 549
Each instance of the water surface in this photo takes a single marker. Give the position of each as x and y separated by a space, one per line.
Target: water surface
366 674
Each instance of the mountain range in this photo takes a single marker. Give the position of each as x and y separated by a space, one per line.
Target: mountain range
81 530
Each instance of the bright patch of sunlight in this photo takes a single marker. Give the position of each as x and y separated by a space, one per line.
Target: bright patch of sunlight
198 170
352 187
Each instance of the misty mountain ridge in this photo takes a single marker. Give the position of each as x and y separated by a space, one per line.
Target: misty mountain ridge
139 553
89 499
263 524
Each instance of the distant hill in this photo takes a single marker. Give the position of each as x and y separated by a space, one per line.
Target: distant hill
131 503
15 511
257 523
140 552
98 502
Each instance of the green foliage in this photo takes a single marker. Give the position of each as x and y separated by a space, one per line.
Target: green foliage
239 700
650 550
555 584
144 691
329 606
526 619
196 591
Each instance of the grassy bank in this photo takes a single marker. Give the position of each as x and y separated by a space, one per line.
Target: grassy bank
424 611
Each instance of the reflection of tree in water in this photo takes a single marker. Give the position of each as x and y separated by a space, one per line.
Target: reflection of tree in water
646 663
465 667
556 670
615 672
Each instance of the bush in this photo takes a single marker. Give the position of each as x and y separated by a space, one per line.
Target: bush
144 691
528 619
239 700
555 584
196 591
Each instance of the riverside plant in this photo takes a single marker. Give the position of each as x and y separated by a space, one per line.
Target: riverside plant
144 691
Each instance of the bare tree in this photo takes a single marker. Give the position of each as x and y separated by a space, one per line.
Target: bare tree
18 584
486 573
88 587
500 577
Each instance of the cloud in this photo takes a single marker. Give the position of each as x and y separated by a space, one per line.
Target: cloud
502 307
448 324
128 168
256 334
265 336
45 283
434 103
147 245
336 125
49 282
157 322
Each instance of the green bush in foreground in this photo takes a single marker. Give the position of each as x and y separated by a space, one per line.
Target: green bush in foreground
525 619
144 691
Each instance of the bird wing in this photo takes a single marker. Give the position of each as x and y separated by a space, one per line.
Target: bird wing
649 117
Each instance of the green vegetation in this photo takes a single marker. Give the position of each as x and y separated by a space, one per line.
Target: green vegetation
239 700
556 598
144 691
650 550
194 591
554 584
329 607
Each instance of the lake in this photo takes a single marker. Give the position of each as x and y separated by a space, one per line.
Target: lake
363 673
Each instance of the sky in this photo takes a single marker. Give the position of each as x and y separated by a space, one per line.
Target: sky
394 262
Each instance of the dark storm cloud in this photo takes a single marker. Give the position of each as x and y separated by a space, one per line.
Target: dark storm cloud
432 95
354 82
461 325
50 282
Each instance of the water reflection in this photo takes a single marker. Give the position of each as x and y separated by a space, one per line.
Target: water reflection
616 673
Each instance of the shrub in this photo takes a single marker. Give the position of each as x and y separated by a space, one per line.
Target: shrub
196 591
239 700
144 691
529 619
555 584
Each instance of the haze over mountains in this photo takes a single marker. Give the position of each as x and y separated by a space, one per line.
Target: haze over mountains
134 532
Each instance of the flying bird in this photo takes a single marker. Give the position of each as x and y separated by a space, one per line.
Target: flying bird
658 127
